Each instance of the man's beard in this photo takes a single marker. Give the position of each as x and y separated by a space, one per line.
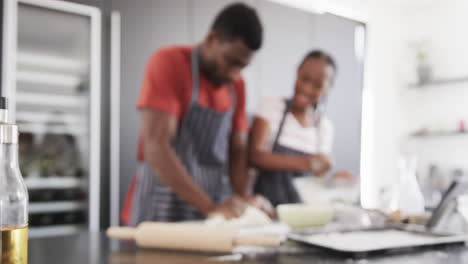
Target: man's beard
209 70
214 79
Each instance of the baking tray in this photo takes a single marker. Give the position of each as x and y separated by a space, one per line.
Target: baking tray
372 241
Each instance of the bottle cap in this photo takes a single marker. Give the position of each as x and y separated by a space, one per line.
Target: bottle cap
3 103
3 110
8 132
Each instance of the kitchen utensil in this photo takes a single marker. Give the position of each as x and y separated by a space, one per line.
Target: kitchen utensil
190 237
407 197
446 205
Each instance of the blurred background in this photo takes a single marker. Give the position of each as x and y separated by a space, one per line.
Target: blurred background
73 71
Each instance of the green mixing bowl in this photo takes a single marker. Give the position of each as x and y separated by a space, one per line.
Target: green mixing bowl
305 215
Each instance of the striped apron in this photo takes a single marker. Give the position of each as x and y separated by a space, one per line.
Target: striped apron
202 144
277 186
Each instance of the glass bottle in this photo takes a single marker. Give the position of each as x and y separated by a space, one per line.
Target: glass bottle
13 196
407 197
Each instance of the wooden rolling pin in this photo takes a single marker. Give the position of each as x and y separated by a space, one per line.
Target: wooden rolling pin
190 237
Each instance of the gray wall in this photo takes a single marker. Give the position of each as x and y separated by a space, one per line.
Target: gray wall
148 25
336 36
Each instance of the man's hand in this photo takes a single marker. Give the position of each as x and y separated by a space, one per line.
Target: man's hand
231 208
235 206
261 203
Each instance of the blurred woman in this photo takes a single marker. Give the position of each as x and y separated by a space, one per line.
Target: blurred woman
291 137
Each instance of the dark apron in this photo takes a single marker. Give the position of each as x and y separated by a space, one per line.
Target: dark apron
202 144
277 186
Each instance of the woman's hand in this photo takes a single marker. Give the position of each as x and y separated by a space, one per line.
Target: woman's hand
344 178
318 164
345 175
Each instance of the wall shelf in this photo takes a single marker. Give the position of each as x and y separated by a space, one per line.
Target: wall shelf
53 183
439 134
439 82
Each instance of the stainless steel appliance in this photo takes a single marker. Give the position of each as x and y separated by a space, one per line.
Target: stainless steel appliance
52 77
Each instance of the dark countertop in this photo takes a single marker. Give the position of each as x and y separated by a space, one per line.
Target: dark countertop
96 248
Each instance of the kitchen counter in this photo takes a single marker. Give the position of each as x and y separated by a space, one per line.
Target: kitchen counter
95 248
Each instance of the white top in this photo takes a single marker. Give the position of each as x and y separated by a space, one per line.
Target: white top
294 135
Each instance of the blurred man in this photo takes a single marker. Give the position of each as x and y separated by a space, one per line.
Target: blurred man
194 126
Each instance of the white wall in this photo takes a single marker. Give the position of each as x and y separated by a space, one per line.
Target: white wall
438 107
398 110
383 123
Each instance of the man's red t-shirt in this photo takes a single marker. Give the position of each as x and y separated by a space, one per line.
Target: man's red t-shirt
167 87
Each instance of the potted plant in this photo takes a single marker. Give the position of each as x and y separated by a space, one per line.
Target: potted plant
423 67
